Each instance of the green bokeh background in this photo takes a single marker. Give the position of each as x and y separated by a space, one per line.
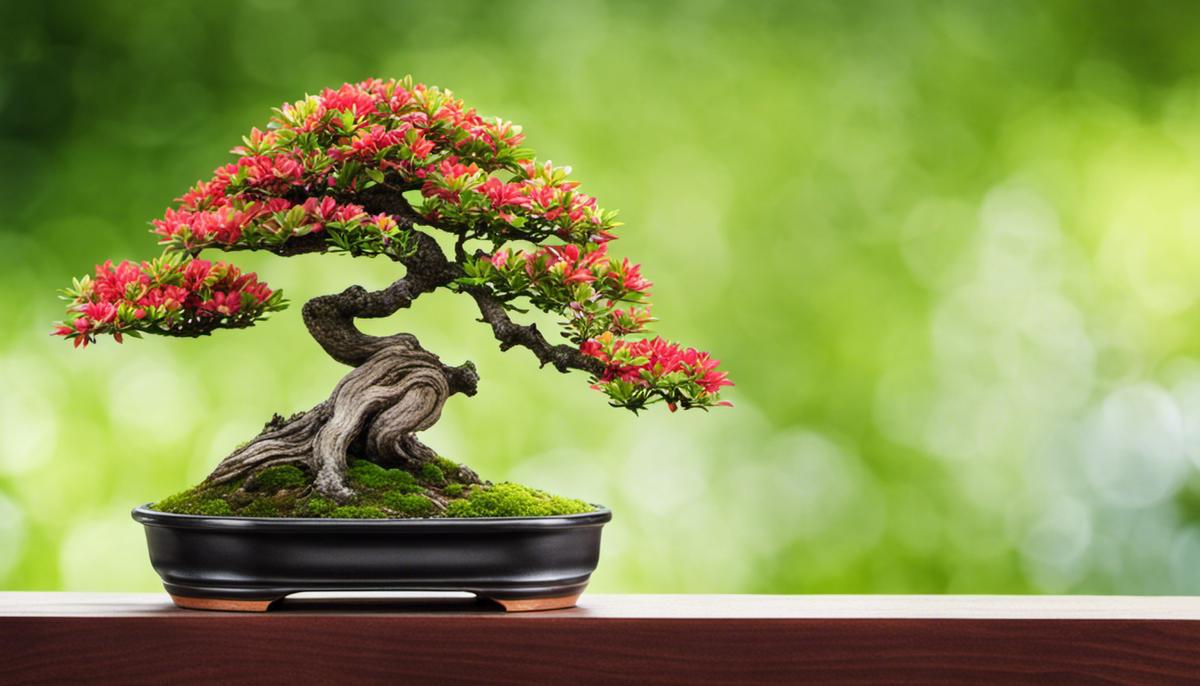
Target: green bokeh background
950 253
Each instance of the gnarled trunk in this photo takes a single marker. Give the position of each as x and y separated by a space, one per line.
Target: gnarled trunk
397 388
373 411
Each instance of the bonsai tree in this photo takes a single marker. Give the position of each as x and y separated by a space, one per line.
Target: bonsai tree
374 169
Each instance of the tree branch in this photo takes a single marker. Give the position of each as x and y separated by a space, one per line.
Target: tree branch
330 318
510 334
388 198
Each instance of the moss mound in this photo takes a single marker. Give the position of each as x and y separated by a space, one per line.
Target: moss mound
512 500
435 491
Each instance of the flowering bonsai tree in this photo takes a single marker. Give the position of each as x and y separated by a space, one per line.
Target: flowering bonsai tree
373 169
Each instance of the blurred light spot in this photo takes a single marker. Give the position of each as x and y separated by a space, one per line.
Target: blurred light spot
1012 353
224 440
971 425
153 399
815 486
1055 545
915 520
1132 450
903 401
1185 562
1021 240
12 535
1186 391
29 426
568 472
694 204
933 238
662 472
106 552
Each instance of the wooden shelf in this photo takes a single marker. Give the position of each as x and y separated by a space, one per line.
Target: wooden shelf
143 639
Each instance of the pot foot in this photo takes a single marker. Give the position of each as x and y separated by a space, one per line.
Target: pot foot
537 604
222 604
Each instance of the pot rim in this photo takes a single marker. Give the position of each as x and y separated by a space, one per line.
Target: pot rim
148 517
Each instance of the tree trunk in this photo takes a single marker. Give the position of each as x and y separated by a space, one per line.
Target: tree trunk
373 411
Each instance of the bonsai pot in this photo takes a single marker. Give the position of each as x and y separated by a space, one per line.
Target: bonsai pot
246 563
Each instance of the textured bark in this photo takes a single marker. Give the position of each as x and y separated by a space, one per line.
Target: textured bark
396 392
375 408
510 334
281 442
396 387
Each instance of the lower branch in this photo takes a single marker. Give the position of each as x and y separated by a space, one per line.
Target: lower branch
510 334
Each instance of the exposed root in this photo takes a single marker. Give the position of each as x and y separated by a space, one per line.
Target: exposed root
290 443
399 390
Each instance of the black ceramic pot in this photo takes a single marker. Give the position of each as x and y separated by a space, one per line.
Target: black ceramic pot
246 563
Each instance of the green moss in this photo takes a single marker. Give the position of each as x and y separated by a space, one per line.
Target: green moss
513 500
363 475
408 504
282 491
449 467
431 473
194 502
358 512
320 507
260 508
273 479
215 507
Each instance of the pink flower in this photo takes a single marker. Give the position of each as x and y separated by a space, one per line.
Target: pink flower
659 359
320 210
566 262
369 142
632 278
503 194
452 169
205 195
114 283
350 98
348 212
442 184
222 303
195 273
421 147
100 312
272 171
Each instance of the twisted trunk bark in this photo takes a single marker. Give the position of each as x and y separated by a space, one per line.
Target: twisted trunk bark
396 388
373 412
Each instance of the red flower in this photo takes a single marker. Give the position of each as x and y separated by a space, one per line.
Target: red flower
222 303
647 363
564 261
272 172
503 194
161 296
350 98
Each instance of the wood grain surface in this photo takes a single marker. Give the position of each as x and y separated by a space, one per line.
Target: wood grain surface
51 638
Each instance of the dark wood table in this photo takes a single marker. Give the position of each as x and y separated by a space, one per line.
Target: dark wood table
71 638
